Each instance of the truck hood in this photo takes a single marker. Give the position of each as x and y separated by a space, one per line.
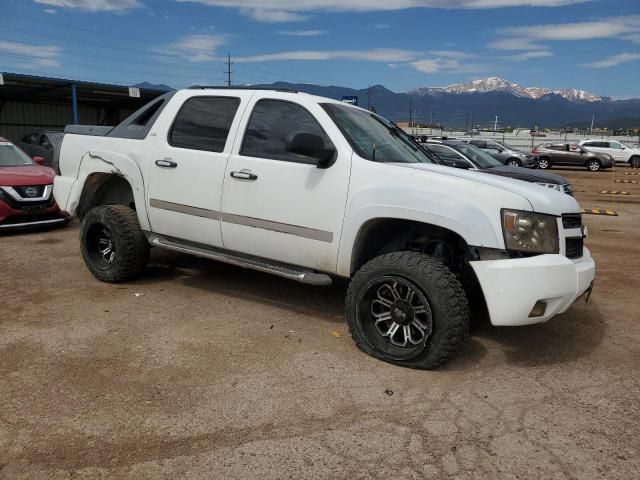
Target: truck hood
527 175
542 200
26 175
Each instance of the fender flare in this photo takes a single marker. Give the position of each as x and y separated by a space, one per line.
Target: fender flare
102 161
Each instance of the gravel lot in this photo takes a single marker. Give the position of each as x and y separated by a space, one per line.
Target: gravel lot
202 370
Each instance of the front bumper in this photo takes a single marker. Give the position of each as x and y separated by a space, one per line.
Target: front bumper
513 287
16 218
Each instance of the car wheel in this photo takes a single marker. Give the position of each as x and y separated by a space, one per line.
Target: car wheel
408 309
513 162
113 246
593 165
634 162
544 163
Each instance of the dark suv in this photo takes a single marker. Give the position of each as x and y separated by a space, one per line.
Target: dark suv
458 154
550 154
507 154
42 143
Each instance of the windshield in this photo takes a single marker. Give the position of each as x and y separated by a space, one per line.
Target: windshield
481 158
507 146
12 156
373 137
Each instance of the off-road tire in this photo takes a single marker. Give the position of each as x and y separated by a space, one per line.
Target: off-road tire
446 297
131 246
634 161
542 165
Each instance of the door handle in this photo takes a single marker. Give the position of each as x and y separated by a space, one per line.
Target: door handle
166 163
244 175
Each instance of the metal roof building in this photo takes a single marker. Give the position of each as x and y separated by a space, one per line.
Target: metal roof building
29 102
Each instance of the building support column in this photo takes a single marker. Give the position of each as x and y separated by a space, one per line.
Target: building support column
74 103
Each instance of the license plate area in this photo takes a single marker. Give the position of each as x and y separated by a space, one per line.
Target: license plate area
34 210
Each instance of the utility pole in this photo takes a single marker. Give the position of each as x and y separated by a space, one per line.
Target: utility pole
593 117
495 125
228 71
369 99
410 115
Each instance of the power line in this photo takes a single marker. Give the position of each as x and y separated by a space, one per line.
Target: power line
228 72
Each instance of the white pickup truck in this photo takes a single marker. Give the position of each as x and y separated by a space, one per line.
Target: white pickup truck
309 188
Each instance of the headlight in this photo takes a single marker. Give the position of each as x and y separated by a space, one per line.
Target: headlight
553 186
530 232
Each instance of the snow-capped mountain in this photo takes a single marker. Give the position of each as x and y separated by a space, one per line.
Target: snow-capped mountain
495 84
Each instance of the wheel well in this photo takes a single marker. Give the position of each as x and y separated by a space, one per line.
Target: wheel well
105 189
387 235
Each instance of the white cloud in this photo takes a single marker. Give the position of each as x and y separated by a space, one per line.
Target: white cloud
302 33
614 60
443 65
294 10
446 61
35 55
267 15
50 11
374 55
94 5
196 48
523 57
530 37
515 44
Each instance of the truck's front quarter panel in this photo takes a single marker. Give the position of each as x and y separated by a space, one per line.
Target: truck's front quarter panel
387 191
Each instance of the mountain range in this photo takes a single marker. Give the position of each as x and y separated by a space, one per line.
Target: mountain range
480 101
495 84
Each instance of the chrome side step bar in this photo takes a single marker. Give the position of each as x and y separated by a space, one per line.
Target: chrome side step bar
253 263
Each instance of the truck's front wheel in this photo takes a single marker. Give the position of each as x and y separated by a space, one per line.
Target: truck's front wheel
113 245
407 308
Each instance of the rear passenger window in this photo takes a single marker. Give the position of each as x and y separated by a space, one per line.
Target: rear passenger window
203 123
271 125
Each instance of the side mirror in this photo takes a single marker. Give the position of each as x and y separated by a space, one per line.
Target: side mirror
39 160
312 146
459 164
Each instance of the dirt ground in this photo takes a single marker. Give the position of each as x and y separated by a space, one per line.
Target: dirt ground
202 370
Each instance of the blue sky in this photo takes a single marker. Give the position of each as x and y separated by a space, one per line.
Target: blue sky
402 44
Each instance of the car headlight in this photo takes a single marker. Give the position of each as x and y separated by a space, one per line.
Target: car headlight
553 186
530 232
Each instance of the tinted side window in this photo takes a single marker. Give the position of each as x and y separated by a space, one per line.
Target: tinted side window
479 143
272 124
615 146
446 154
203 123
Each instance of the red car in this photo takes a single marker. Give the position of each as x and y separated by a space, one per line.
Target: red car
26 191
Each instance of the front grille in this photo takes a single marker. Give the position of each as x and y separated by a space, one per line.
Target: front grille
574 247
30 191
572 220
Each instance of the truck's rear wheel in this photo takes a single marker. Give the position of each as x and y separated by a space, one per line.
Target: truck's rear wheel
113 246
408 309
